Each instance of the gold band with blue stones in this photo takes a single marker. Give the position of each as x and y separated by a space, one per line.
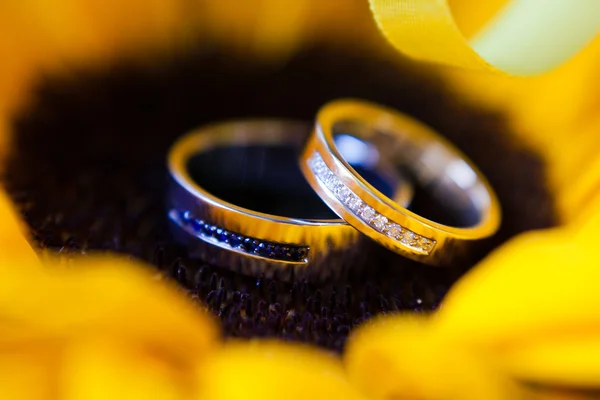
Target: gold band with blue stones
245 240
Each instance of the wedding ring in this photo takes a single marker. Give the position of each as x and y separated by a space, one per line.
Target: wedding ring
346 129
239 200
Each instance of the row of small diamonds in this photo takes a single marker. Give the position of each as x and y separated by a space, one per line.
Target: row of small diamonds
365 212
277 251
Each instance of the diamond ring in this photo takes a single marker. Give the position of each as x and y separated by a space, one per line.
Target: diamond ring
347 130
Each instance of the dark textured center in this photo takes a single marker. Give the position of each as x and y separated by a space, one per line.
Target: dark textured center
88 173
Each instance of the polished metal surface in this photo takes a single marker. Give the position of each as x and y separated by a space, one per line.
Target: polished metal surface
349 128
252 242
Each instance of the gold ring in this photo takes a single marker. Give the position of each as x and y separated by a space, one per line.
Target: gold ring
346 129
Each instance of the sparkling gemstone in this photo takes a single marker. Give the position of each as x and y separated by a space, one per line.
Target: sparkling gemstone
221 235
426 244
235 240
186 217
278 251
331 181
368 213
263 249
410 238
210 230
344 193
354 203
300 253
341 190
318 167
393 230
336 186
348 199
197 225
292 254
250 245
380 222
287 253
205 228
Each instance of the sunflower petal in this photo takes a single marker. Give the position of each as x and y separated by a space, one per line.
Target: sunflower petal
103 295
274 370
537 284
401 357
15 251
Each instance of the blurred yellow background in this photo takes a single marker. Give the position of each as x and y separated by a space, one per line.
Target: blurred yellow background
557 113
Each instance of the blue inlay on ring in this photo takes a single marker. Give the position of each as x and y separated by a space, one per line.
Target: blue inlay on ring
262 248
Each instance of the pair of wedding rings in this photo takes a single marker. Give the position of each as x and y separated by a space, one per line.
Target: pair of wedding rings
364 161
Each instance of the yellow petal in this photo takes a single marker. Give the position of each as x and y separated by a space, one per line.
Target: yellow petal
274 370
537 284
570 361
15 251
535 299
76 28
96 369
27 371
275 29
106 295
400 357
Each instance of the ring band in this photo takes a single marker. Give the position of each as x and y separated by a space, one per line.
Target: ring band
249 241
436 165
